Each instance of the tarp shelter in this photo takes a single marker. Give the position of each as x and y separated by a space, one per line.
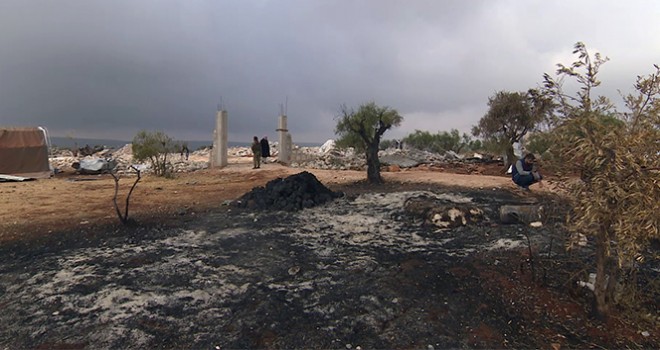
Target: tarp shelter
24 152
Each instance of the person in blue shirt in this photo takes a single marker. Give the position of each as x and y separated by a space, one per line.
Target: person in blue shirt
525 172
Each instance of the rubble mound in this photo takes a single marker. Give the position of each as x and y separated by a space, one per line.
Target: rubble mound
296 192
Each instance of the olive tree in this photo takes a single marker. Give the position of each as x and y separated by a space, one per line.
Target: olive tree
154 147
615 200
510 116
363 129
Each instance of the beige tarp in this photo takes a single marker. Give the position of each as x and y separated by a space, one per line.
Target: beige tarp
24 152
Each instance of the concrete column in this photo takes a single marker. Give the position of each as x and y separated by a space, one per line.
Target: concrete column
219 153
289 146
284 154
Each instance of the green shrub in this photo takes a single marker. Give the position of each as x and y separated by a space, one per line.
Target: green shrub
441 142
154 147
538 143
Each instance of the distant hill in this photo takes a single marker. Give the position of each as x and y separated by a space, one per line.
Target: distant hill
65 142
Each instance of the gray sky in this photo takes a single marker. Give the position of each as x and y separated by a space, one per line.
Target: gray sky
107 69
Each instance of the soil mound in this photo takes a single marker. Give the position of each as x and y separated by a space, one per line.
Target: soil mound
296 192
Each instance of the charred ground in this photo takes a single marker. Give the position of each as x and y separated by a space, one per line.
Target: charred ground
357 271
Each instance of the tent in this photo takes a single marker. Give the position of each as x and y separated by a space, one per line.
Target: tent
24 152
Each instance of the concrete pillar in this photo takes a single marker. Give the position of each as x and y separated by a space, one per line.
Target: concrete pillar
284 155
289 146
219 153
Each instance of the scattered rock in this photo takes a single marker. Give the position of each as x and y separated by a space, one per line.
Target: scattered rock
443 214
326 157
455 215
536 224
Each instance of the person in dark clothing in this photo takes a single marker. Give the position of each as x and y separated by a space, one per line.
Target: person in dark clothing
256 153
185 151
265 147
525 172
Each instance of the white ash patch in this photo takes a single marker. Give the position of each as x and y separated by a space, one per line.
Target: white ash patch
395 201
369 221
206 280
505 244
82 286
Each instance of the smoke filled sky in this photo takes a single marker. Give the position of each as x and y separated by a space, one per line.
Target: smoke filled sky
107 69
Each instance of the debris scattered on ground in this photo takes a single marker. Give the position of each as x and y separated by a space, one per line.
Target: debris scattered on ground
443 212
94 166
536 224
512 214
12 178
296 192
355 271
326 157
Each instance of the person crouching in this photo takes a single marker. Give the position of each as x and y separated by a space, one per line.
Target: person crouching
525 172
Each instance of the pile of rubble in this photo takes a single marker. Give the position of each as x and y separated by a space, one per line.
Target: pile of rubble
330 157
66 160
296 192
327 157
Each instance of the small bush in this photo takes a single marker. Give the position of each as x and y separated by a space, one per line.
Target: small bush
441 142
154 147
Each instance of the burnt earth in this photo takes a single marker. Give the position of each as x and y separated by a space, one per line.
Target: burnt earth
296 192
355 272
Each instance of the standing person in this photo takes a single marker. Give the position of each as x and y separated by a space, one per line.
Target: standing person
185 151
525 172
265 147
256 153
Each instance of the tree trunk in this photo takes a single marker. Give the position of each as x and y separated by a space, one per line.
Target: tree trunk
510 158
373 164
606 274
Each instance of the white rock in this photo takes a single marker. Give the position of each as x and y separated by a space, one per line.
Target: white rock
327 147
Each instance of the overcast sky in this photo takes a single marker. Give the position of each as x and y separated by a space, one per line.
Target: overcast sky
107 69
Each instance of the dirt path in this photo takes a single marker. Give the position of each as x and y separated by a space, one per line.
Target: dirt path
67 201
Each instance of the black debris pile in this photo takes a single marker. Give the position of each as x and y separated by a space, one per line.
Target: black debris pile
296 192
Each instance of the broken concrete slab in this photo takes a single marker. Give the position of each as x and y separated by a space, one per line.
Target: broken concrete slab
399 160
12 178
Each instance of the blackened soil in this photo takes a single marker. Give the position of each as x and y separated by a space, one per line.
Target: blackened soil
355 272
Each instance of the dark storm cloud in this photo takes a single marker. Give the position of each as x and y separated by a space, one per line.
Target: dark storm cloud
110 68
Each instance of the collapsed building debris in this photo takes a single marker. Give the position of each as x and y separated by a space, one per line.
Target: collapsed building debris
88 151
123 158
326 157
93 166
296 192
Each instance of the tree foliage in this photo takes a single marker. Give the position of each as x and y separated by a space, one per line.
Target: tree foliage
510 116
363 129
441 141
616 156
154 147
385 144
538 142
